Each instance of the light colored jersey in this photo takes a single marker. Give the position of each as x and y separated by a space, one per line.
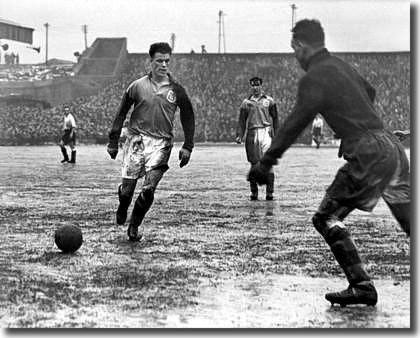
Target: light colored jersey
155 107
69 122
318 123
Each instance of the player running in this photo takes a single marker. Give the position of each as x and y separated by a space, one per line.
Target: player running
69 136
258 119
155 98
377 165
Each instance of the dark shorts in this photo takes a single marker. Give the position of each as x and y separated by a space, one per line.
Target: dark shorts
66 139
377 166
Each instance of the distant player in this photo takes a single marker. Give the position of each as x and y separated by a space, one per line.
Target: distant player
155 98
376 166
259 121
69 136
317 130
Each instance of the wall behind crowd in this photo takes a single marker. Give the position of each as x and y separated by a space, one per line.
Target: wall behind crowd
216 84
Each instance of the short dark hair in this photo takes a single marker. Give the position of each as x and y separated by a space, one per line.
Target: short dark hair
255 80
310 32
160 47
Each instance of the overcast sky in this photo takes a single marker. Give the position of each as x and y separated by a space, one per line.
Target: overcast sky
250 26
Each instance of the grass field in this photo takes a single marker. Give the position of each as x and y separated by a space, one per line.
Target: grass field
209 257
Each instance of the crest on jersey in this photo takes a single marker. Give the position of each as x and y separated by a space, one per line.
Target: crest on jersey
266 103
171 96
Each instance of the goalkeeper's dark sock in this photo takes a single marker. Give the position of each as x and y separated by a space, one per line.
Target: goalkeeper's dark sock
346 254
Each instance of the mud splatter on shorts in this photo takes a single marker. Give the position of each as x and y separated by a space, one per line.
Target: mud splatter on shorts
142 153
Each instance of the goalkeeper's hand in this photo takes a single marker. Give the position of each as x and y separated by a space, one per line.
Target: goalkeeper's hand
112 151
259 173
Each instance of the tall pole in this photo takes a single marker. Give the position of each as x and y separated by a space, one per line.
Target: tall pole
46 25
294 8
173 38
84 29
223 33
220 28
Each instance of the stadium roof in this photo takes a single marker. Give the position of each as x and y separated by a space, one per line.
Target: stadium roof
10 30
9 22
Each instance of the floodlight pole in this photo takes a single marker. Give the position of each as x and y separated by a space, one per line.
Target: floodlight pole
173 38
221 23
220 29
46 25
294 8
84 29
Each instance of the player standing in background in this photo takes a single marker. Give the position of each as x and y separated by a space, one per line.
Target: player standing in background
258 119
376 166
69 136
155 98
317 128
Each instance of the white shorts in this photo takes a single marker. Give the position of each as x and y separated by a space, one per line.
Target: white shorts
142 153
257 142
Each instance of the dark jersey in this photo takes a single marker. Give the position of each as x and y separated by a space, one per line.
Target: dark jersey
154 108
334 89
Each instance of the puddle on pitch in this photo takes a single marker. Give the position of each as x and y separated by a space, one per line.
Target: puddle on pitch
270 301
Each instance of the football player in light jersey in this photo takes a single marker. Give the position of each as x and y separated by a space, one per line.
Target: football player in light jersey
69 136
155 99
317 128
259 121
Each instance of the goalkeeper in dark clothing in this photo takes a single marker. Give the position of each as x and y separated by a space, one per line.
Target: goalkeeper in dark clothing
155 99
376 166
258 120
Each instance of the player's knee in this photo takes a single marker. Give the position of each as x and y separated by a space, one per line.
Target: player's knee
329 227
319 222
148 194
332 229
126 190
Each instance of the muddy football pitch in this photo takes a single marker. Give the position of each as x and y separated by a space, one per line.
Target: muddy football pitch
210 258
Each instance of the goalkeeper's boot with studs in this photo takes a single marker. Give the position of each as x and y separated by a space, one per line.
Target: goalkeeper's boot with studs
361 293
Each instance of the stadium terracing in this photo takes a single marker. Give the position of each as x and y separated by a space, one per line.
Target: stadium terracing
216 83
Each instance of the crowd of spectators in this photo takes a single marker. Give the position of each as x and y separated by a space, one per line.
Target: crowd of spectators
216 84
34 72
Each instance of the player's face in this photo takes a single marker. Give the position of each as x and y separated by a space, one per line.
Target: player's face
160 64
256 89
